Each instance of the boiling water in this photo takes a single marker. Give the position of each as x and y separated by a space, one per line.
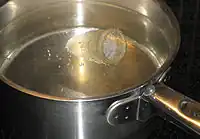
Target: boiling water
45 65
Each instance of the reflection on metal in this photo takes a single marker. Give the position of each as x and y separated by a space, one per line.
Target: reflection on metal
119 19
172 100
80 124
149 90
81 30
143 10
8 12
13 7
80 14
174 107
124 110
116 15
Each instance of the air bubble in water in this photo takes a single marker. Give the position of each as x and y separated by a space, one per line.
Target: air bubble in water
81 64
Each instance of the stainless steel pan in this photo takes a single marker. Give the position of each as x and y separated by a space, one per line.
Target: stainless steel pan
102 113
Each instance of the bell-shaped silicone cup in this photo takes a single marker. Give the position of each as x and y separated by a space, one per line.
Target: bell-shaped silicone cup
100 46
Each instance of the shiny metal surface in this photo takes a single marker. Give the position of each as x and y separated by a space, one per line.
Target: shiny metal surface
124 110
52 69
179 106
42 118
148 22
130 108
147 35
39 39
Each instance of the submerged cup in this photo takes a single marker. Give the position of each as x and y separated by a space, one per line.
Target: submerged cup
100 46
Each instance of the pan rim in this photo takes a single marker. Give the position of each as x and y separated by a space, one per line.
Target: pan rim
151 80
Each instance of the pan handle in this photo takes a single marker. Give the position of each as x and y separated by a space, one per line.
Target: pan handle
182 108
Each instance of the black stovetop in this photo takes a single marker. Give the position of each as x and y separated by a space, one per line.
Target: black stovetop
185 73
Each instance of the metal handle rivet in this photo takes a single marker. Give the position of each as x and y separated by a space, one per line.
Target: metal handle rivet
117 116
149 90
127 108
